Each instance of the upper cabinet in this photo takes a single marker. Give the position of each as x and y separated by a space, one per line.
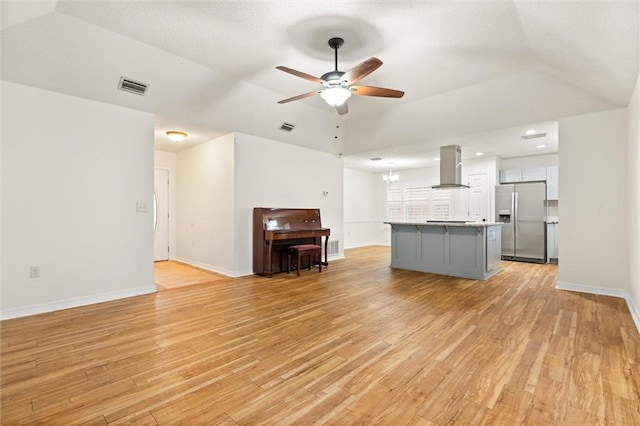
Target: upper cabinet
549 174
507 176
523 175
535 173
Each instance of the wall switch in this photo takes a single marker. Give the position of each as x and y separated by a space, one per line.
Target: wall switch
141 207
34 272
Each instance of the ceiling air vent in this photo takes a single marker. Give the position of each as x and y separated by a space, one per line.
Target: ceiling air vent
534 135
132 86
287 127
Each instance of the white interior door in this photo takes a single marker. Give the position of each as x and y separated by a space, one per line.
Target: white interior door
478 197
161 214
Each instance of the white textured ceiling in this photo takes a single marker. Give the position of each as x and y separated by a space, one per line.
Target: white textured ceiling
475 73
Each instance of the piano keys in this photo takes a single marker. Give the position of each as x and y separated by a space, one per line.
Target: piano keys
275 229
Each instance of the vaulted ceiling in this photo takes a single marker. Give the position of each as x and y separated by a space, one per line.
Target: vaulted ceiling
474 73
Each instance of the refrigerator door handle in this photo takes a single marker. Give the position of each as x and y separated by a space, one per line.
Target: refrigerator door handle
514 198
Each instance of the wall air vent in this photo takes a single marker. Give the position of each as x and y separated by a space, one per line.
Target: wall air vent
533 136
287 127
132 86
333 247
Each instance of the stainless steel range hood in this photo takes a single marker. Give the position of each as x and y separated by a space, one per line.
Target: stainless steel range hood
450 168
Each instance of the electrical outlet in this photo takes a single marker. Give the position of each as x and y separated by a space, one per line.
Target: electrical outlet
141 207
34 272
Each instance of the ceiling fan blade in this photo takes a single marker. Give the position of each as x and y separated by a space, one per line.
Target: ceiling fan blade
361 70
376 91
342 109
299 74
295 98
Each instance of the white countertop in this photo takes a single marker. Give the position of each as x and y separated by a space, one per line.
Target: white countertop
467 224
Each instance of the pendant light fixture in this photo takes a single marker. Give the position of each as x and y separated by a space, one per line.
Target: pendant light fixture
390 178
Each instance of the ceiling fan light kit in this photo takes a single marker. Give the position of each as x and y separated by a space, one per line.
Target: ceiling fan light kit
338 86
335 96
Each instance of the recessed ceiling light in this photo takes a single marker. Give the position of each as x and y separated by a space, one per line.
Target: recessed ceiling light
541 145
479 154
530 132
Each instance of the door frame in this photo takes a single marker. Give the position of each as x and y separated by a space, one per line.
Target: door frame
168 218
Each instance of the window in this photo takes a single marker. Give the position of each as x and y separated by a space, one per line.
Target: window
418 202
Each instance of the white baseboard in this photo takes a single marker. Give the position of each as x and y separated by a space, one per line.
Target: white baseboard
237 274
208 267
75 302
633 309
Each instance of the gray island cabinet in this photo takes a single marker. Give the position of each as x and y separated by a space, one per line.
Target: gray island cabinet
467 250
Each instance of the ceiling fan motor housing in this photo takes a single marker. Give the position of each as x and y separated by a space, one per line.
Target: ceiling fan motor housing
332 78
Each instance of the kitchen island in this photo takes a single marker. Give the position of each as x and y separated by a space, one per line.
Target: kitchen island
467 250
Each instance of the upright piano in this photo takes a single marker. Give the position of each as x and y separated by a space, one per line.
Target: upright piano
275 229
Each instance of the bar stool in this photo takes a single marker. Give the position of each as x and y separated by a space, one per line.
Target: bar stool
302 250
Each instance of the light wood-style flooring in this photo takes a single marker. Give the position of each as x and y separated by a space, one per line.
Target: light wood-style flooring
171 274
359 343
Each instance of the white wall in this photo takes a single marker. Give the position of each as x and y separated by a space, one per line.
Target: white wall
204 205
593 188
364 210
273 174
167 161
73 172
547 160
634 202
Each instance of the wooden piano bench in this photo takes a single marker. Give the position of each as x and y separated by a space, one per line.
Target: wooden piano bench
302 250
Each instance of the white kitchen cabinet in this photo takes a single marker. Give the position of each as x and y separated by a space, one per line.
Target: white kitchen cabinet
534 173
552 183
552 242
507 176
523 175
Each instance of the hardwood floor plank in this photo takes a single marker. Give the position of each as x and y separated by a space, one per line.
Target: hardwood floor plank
361 343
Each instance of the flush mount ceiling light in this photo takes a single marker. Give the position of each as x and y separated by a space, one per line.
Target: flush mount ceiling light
176 136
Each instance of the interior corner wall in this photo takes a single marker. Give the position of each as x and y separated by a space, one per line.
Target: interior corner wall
363 209
634 200
593 188
274 174
74 172
204 205
167 161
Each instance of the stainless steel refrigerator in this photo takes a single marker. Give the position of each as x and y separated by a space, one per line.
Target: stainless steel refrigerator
521 209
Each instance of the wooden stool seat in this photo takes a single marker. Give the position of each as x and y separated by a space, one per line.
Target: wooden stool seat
302 250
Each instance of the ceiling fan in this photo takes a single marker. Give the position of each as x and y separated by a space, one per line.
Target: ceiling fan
338 86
